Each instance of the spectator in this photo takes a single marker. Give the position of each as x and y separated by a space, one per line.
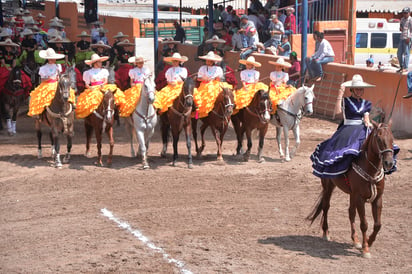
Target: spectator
272 3
404 46
284 48
228 39
180 33
252 43
102 36
237 44
213 45
94 32
229 15
370 62
216 13
294 70
255 6
235 18
281 16
323 55
252 16
290 21
276 30
223 14
245 26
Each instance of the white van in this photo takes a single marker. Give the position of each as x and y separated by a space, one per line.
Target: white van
378 38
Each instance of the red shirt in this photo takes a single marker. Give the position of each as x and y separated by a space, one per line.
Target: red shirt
228 39
293 69
290 23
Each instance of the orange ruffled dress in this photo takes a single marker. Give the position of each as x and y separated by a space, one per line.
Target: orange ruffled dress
90 99
205 96
244 97
132 96
43 95
278 93
165 97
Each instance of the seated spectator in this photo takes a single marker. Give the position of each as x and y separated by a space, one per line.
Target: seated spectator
294 70
370 62
323 55
276 30
252 41
228 39
290 21
284 48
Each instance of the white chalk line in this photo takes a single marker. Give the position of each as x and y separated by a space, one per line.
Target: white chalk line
179 264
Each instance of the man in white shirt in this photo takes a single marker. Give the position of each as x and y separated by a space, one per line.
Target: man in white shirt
323 55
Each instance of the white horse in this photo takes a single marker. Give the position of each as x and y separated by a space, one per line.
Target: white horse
143 120
289 114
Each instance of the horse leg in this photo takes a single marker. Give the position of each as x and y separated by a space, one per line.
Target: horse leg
39 134
328 187
9 127
175 141
202 134
142 148
352 216
296 133
165 128
129 124
98 133
188 133
360 206
194 132
262 133
278 139
376 212
66 158
53 148
13 120
89 130
236 125
286 135
248 131
57 162
111 140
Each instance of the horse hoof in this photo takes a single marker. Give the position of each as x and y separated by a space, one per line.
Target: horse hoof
146 166
366 255
357 245
163 154
220 158
99 164
66 160
261 160
190 166
326 238
58 165
287 159
39 155
245 159
88 154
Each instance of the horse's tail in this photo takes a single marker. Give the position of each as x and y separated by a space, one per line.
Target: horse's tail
316 210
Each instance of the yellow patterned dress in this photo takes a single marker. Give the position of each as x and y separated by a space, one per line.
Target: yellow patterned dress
278 93
205 96
90 99
42 96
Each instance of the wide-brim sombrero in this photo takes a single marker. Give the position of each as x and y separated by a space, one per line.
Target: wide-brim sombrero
120 35
357 82
96 58
176 57
83 34
100 44
8 42
50 54
281 63
251 61
211 56
59 39
136 59
125 43
215 39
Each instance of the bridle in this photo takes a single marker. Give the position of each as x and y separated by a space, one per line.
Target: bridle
183 97
258 114
225 108
146 118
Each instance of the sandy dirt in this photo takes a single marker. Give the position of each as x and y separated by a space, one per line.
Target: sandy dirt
234 217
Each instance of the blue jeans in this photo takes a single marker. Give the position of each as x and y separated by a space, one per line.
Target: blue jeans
272 42
244 55
403 50
315 67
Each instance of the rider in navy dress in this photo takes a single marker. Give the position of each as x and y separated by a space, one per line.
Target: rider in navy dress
334 156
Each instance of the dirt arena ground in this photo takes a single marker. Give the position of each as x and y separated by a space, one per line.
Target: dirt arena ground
234 217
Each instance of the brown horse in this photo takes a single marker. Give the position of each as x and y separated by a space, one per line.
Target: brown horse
101 120
59 117
254 116
13 96
364 182
177 118
218 120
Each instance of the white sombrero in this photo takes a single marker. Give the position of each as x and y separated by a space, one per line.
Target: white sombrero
357 82
250 60
102 30
136 59
281 63
83 34
176 57
215 39
56 24
4 33
290 8
211 56
50 54
59 39
8 42
169 40
56 19
40 15
26 32
100 44
125 43
96 58
120 35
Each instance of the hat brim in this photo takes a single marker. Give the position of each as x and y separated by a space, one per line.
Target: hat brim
246 62
171 59
65 40
84 35
285 65
101 59
9 45
349 84
125 44
210 58
120 36
56 56
133 60
219 41
100 46
170 42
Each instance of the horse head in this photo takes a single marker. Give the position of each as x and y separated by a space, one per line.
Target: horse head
108 105
381 142
228 101
187 91
264 105
14 82
149 89
71 72
307 102
63 87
